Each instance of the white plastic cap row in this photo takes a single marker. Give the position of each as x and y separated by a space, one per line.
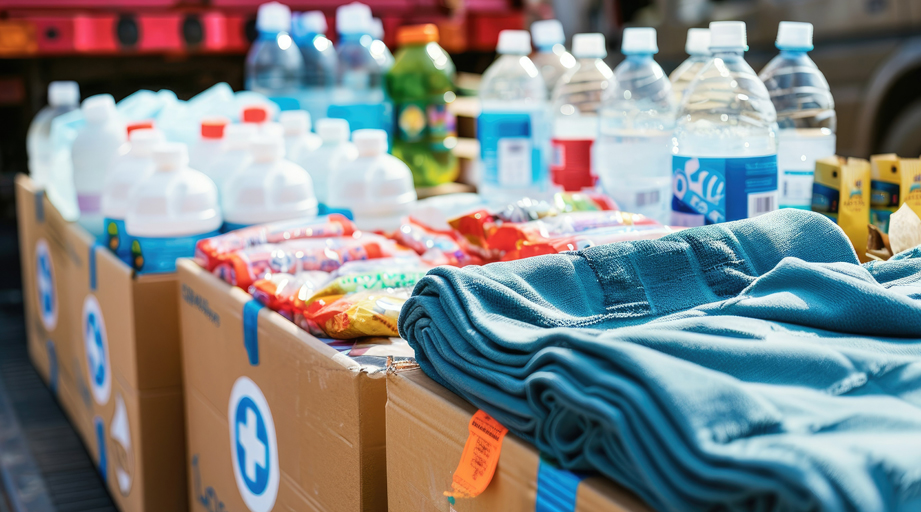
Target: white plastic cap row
295 122
547 33
144 140
170 156
793 35
589 46
311 22
273 17
370 142
698 42
353 18
639 40
333 130
266 148
63 93
98 108
728 34
514 42
239 135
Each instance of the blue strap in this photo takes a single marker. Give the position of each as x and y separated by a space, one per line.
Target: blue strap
556 489
251 330
101 443
40 206
92 266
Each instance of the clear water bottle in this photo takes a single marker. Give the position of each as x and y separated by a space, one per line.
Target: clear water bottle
805 113
379 50
698 49
274 65
551 57
320 62
63 97
512 127
725 148
636 125
576 101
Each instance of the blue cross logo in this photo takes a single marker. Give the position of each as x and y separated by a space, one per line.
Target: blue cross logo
95 349
252 446
44 276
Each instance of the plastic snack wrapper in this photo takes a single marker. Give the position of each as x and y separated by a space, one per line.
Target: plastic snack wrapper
215 251
436 247
588 239
355 315
281 292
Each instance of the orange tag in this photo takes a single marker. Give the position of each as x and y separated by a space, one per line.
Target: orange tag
480 458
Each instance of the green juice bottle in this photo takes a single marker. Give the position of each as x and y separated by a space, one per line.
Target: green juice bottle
420 84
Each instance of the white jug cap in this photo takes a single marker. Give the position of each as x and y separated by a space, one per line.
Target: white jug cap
353 18
170 156
272 129
144 140
273 17
547 33
63 93
728 34
698 42
240 134
793 35
333 130
370 142
514 42
377 28
98 108
312 22
267 149
639 40
589 46
295 122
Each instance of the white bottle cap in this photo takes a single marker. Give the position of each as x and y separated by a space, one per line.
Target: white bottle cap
170 156
312 22
295 122
63 93
377 28
793 35
728 34
333 130
639 40
698 42
98 108
273 17
547 33
353 18
272 129
144 140
514 42
240 135
267 149
370 142
589 46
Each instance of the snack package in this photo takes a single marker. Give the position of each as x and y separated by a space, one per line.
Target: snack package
588 239
436 247
382 274
281 292
910 169
567 202
841 192
885 181
366 313
212 252
510 236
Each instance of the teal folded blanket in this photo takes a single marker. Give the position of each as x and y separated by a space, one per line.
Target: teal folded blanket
753 365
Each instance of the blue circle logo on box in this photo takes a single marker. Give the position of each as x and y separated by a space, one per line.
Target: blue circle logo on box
96 346
253 446
44 277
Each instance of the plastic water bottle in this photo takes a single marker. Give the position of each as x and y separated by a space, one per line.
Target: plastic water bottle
93 150
269 189
379 50
210 144
170 211
725 148
551 57
698 48
274 65
234 154
637 119
512 128
805 113
126 172
359 95
335 151
299 142
63 97
576 101
376 188
320 62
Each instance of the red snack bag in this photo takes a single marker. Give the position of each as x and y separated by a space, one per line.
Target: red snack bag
436 247
211 252
511 236
281 292
587 239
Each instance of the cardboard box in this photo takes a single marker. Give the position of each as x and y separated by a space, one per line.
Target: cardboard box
427 427
277 419
119 372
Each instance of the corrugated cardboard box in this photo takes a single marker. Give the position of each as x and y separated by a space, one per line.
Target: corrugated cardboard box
427 427
277 419
120 378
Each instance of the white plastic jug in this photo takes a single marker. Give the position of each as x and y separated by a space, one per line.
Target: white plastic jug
126 172
96 144
234 154
329 157
376 187
170 211
269 189
207 148
63 97
299 142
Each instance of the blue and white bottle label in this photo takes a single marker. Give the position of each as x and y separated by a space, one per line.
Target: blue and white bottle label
117 239
511 145
158 255
713 190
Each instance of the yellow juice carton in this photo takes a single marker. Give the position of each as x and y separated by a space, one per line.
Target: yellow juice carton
885 193
841 192
910 169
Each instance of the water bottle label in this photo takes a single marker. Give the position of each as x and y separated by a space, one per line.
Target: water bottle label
117 239
510 147
712 190
157 255
796 188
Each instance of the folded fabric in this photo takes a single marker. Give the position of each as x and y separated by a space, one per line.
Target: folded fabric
753 365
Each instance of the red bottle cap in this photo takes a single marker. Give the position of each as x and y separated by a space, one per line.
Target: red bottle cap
140 125
213 127
255 114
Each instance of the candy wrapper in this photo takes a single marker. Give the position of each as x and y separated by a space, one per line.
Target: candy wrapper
509 236
436 247
212 252
283 292
383 274
587 239
366 313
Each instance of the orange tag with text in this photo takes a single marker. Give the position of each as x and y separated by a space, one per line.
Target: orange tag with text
480 458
